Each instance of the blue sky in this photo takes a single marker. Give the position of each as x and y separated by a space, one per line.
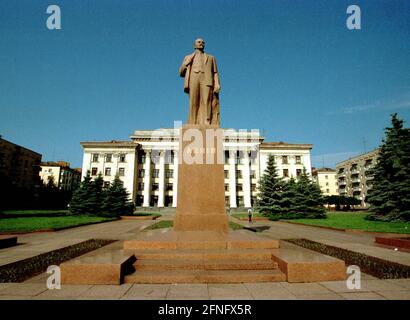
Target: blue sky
289 68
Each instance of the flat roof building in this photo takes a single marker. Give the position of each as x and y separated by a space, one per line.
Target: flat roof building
148 164
354 178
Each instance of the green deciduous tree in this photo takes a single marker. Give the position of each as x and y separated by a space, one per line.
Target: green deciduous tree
389 197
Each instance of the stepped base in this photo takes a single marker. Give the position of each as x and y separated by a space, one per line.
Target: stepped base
202 257
204 254
210 276
175 257
199 240
165 265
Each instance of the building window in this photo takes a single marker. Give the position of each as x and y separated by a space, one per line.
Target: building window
298 159
239 174
140 186
326 177
107 171
298 172
238 187
284 159
253 174
226 173
240 201
226 157
169 173
169 187
155 187
108 157
95 157
121 172
122 157
94 171
327 183
169 156
155 173
327 190
285 172
141 173
141 157
253 156
253 187
226 187
106 184
239 158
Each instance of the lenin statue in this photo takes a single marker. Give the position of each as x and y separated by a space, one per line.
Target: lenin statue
202 84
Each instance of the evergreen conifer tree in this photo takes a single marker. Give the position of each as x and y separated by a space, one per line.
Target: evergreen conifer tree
79 201
95 195
308 201
270 190
116 199
389 197
288 199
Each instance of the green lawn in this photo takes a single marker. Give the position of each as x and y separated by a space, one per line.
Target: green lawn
235 226
41 223
356 221
34 212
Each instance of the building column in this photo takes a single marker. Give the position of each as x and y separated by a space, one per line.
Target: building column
175 179
232 179
246 180
147 177
161 185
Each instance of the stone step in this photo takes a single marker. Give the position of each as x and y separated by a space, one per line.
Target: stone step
303 265
204 254
98 267
163 265
199 240
205 276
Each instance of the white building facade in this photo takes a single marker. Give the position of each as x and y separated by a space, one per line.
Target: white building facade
327 181
148 164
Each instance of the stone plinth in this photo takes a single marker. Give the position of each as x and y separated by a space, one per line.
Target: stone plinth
201 185
99 267
303 265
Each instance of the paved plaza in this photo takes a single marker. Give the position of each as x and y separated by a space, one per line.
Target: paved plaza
35 288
